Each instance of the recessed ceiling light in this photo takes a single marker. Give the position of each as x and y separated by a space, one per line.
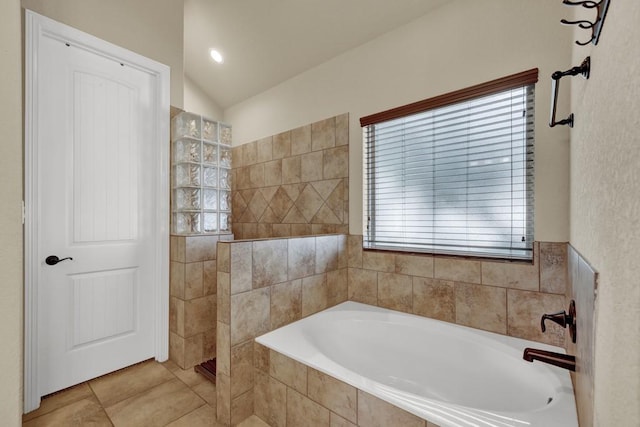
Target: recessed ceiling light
216 56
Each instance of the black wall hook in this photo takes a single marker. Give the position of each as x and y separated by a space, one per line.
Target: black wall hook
595 26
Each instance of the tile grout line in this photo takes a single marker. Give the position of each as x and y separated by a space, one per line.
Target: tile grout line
190 412
133 395
100 403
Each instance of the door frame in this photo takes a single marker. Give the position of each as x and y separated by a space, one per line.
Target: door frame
37 27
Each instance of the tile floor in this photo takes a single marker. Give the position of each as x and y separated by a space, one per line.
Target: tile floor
147 394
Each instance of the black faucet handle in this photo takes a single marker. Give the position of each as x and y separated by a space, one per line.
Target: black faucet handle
563 319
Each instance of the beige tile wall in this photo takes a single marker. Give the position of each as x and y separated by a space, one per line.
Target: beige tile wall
293 184
192 301
262 285
504 297
583 282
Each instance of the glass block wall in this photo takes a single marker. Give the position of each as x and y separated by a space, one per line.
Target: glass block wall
200 175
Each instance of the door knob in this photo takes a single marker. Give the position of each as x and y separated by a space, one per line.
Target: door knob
53 260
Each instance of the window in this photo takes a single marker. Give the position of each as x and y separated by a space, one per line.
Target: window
454 174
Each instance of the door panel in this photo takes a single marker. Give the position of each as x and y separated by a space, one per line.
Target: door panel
105 167
104 306
97 206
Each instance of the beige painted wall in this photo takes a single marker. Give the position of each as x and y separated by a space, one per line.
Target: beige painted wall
461 44
152 28
195 101
10 214
605 205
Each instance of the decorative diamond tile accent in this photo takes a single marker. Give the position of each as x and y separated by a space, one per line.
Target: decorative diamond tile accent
345 183
281 203
269 192
295 217
293 190
270 217
239 205
248 216
309 202
336 202
326 187
288 194
325 216
258 204
247 195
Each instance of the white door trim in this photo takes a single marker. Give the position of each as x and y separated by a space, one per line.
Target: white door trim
38 26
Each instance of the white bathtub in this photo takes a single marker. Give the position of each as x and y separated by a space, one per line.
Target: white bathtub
447 374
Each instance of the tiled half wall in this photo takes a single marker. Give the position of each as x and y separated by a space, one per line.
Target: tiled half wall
192 299
583 281
265 284
295 183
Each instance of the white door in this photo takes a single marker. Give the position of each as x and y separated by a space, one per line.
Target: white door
97 205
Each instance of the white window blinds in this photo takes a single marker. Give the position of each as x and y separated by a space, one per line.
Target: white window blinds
454 179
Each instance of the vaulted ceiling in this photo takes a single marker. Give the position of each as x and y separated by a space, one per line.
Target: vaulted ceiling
265 42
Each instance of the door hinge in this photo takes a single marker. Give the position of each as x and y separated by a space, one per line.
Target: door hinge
24 214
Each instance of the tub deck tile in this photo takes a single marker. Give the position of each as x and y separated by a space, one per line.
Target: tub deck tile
288 371
338 421
302 411
270 400
333 394
373 412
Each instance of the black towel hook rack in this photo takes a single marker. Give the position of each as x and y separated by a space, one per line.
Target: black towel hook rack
595 26
584 69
